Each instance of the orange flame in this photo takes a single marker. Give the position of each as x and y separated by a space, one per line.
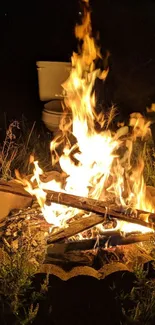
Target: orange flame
97 164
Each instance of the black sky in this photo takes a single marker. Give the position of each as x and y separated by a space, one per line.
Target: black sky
45 31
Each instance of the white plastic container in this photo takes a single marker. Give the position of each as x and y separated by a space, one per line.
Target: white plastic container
50 77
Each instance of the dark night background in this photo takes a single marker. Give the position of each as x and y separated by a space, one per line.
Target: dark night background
31 31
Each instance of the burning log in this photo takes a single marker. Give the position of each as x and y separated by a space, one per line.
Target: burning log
29 224
75 227
103 241
101 208
84 252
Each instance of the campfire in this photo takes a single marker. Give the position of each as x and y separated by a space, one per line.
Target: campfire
96 196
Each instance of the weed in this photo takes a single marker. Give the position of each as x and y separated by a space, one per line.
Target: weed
21 141
18 298
142 299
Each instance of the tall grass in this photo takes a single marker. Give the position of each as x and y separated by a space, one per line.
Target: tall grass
138 306
22 140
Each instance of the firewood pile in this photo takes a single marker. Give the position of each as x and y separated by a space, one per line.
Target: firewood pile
60 252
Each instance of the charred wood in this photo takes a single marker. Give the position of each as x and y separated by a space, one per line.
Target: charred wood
106 241
75 227
71 257
100 207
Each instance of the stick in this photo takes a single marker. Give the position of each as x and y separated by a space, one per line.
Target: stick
84 244
100 207
75 227
72 257
104 241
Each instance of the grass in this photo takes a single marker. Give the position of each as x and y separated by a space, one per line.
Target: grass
19 301
149 161
21 141
141 300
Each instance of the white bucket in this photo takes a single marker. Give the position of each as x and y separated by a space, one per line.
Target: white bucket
50 77
52 115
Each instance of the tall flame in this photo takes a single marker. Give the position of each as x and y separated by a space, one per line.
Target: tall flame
97 162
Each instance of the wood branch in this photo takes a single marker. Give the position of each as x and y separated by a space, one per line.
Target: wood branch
130 239
71 257
96 206
104 241
75 227
100 207
84 244
78 226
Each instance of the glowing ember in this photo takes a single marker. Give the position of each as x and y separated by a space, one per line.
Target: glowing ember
97 162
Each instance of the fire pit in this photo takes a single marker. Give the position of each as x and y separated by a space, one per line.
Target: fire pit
96 206
64 253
